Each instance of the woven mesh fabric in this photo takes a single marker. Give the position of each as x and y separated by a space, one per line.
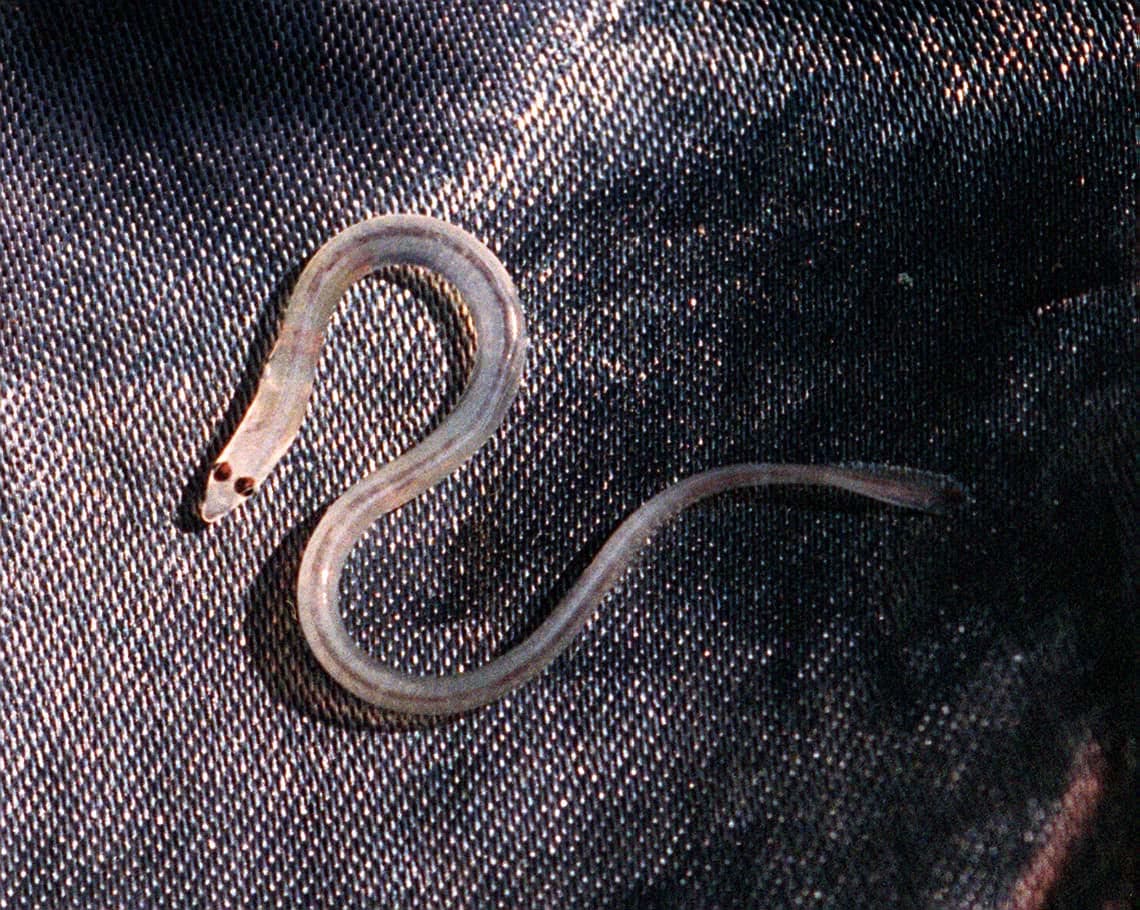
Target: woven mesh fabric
786 231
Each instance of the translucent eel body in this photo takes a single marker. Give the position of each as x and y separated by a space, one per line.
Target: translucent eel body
278 408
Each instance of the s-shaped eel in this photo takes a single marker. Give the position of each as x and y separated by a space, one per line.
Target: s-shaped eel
275 415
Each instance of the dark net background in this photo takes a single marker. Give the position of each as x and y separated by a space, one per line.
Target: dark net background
786 231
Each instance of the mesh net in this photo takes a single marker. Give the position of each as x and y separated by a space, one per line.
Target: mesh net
794 231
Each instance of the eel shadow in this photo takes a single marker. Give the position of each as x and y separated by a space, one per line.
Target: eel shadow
291 674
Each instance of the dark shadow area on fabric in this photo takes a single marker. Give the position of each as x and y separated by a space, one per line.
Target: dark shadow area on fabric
898 291
231 59
1041 590
1050 552
915 550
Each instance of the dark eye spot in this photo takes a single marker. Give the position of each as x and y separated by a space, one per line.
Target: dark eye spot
243 486
222 471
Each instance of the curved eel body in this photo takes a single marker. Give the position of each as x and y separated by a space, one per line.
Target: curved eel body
276 413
